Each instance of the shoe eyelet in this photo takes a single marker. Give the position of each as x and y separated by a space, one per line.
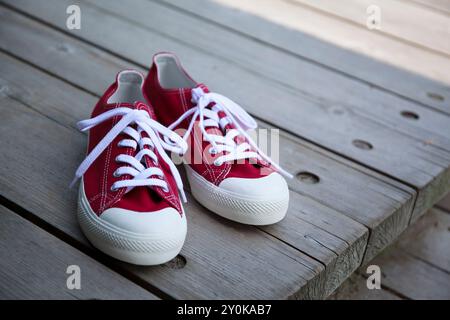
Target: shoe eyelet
212 151
113 189
116 174
117 159
217 163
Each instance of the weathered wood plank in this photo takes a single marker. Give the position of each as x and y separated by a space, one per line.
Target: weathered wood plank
412 277
355 288
33 265
383 207
413 267
356 52
399 19
374 207
415 152
223 259
428 239
445 203
417 266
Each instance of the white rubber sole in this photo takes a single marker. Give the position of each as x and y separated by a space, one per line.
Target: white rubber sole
138 249
236 207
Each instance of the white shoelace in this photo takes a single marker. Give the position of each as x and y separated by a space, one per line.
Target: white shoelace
235 115
141 175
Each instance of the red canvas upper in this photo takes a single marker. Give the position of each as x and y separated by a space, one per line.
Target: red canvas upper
169 104
99 178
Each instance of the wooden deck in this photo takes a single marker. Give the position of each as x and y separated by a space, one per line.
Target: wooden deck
367 112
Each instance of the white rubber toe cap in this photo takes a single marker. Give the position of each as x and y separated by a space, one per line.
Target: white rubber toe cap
260 201
158 224
271 187
142 238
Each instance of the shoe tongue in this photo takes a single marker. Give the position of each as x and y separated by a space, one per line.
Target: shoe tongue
143 106
139 105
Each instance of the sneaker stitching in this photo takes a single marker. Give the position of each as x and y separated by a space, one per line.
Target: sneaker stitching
105 173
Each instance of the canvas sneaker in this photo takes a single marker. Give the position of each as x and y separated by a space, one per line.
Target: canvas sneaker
129 198
227 172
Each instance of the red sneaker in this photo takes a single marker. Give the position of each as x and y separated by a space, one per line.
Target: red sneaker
129 204
227 172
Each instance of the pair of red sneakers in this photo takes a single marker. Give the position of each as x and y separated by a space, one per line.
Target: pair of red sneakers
129 197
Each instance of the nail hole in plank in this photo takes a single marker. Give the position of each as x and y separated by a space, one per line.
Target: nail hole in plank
308 177
435 96
361 144
410 115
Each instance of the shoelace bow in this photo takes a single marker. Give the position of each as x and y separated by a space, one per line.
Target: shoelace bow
141 174
235 115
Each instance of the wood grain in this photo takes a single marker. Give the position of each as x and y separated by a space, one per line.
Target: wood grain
429 239
33 265
370 207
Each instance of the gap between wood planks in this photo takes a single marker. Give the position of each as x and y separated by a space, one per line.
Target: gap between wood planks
416 266
89 251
